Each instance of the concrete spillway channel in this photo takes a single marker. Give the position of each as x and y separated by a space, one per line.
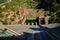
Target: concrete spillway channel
32 32
9 30
51 33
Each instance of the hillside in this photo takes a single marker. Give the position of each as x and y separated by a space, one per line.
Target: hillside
14 11
2 1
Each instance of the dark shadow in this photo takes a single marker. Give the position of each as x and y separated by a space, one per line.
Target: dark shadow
30 23
47 33
43 21
37 20
45 4
56 30
37 29
58 1
34 23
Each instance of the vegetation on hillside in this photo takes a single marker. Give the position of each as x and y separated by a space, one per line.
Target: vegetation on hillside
50 5
12 8
2 1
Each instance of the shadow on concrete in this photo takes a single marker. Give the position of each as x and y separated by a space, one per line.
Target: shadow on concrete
56 30
48 33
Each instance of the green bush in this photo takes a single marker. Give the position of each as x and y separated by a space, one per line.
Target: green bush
12 19
1 16
5 22
2 1
30 21
55 18
20 22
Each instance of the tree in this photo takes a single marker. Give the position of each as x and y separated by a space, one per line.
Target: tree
50 5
